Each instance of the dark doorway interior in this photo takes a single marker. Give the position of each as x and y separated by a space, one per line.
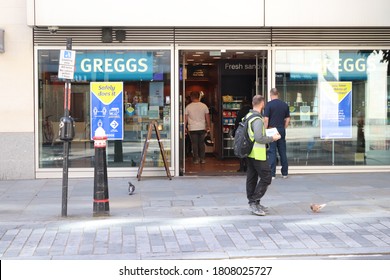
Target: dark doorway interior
227 79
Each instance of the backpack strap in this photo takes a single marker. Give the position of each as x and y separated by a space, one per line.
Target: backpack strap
249 122
251 116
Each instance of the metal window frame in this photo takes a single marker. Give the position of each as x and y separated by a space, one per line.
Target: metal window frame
88 171
329 168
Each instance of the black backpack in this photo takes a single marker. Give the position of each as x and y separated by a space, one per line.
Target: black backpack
242 143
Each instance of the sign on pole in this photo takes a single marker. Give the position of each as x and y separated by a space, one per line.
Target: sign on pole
66 65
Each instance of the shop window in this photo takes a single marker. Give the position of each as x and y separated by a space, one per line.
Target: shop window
146 77
339 106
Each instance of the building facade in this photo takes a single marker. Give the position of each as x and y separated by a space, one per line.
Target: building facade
330 62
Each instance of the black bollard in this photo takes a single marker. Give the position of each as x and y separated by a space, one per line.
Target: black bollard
101 203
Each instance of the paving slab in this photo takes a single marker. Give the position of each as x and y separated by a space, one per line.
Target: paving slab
197 218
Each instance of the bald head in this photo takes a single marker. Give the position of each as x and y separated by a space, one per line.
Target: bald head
274 93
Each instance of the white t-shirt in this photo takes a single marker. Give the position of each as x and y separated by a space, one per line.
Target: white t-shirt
196 112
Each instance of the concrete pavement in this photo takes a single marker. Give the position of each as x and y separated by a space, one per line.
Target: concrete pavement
197 218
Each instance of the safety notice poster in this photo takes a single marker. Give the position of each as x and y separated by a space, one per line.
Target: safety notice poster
336 110
107 109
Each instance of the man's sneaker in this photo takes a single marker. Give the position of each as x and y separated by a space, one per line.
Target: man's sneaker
273 177
285 176
202 161
195 161
256 210
262 207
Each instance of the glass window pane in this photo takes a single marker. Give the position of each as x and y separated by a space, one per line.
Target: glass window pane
146 76
339 105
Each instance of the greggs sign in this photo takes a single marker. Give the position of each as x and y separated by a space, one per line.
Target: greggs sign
114 66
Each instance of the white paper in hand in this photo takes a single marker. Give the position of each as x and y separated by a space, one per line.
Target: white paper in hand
271 131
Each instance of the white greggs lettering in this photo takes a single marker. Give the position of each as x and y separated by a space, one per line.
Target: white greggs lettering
117 65
347 65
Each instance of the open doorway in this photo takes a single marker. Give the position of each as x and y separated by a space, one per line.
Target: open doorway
226 80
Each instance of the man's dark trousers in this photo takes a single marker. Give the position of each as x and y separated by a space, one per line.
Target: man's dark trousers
281 146
255 189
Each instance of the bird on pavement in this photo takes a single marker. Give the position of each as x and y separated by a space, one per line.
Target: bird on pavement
131 188
316 207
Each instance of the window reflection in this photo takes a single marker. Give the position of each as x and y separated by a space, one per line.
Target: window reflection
146 97
339 105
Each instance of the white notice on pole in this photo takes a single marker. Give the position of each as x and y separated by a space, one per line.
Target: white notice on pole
66 65
67 57
65 72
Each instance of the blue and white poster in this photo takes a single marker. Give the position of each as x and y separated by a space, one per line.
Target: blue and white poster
107 109
336 110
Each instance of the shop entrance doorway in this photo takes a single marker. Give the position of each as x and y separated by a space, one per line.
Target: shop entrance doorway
226 80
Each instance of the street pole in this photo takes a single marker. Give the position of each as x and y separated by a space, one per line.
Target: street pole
67 95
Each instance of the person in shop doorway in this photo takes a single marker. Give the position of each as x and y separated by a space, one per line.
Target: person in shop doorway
277 115
188 145
135 101
361 142
258 167
246 106
197 124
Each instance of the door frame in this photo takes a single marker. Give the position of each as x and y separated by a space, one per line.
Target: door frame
178 118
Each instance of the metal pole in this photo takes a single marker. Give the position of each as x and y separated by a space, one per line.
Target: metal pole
183 107
65 165
332 151
257 75
262 76
65 180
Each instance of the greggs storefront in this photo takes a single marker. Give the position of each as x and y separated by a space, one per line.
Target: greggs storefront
333 72
338 98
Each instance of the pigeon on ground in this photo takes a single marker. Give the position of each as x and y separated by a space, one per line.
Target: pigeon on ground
316 207
131 188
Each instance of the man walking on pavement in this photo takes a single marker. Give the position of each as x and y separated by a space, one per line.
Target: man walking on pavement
258 166
277 115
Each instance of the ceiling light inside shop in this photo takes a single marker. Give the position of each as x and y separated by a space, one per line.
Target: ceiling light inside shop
196 55
215 53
